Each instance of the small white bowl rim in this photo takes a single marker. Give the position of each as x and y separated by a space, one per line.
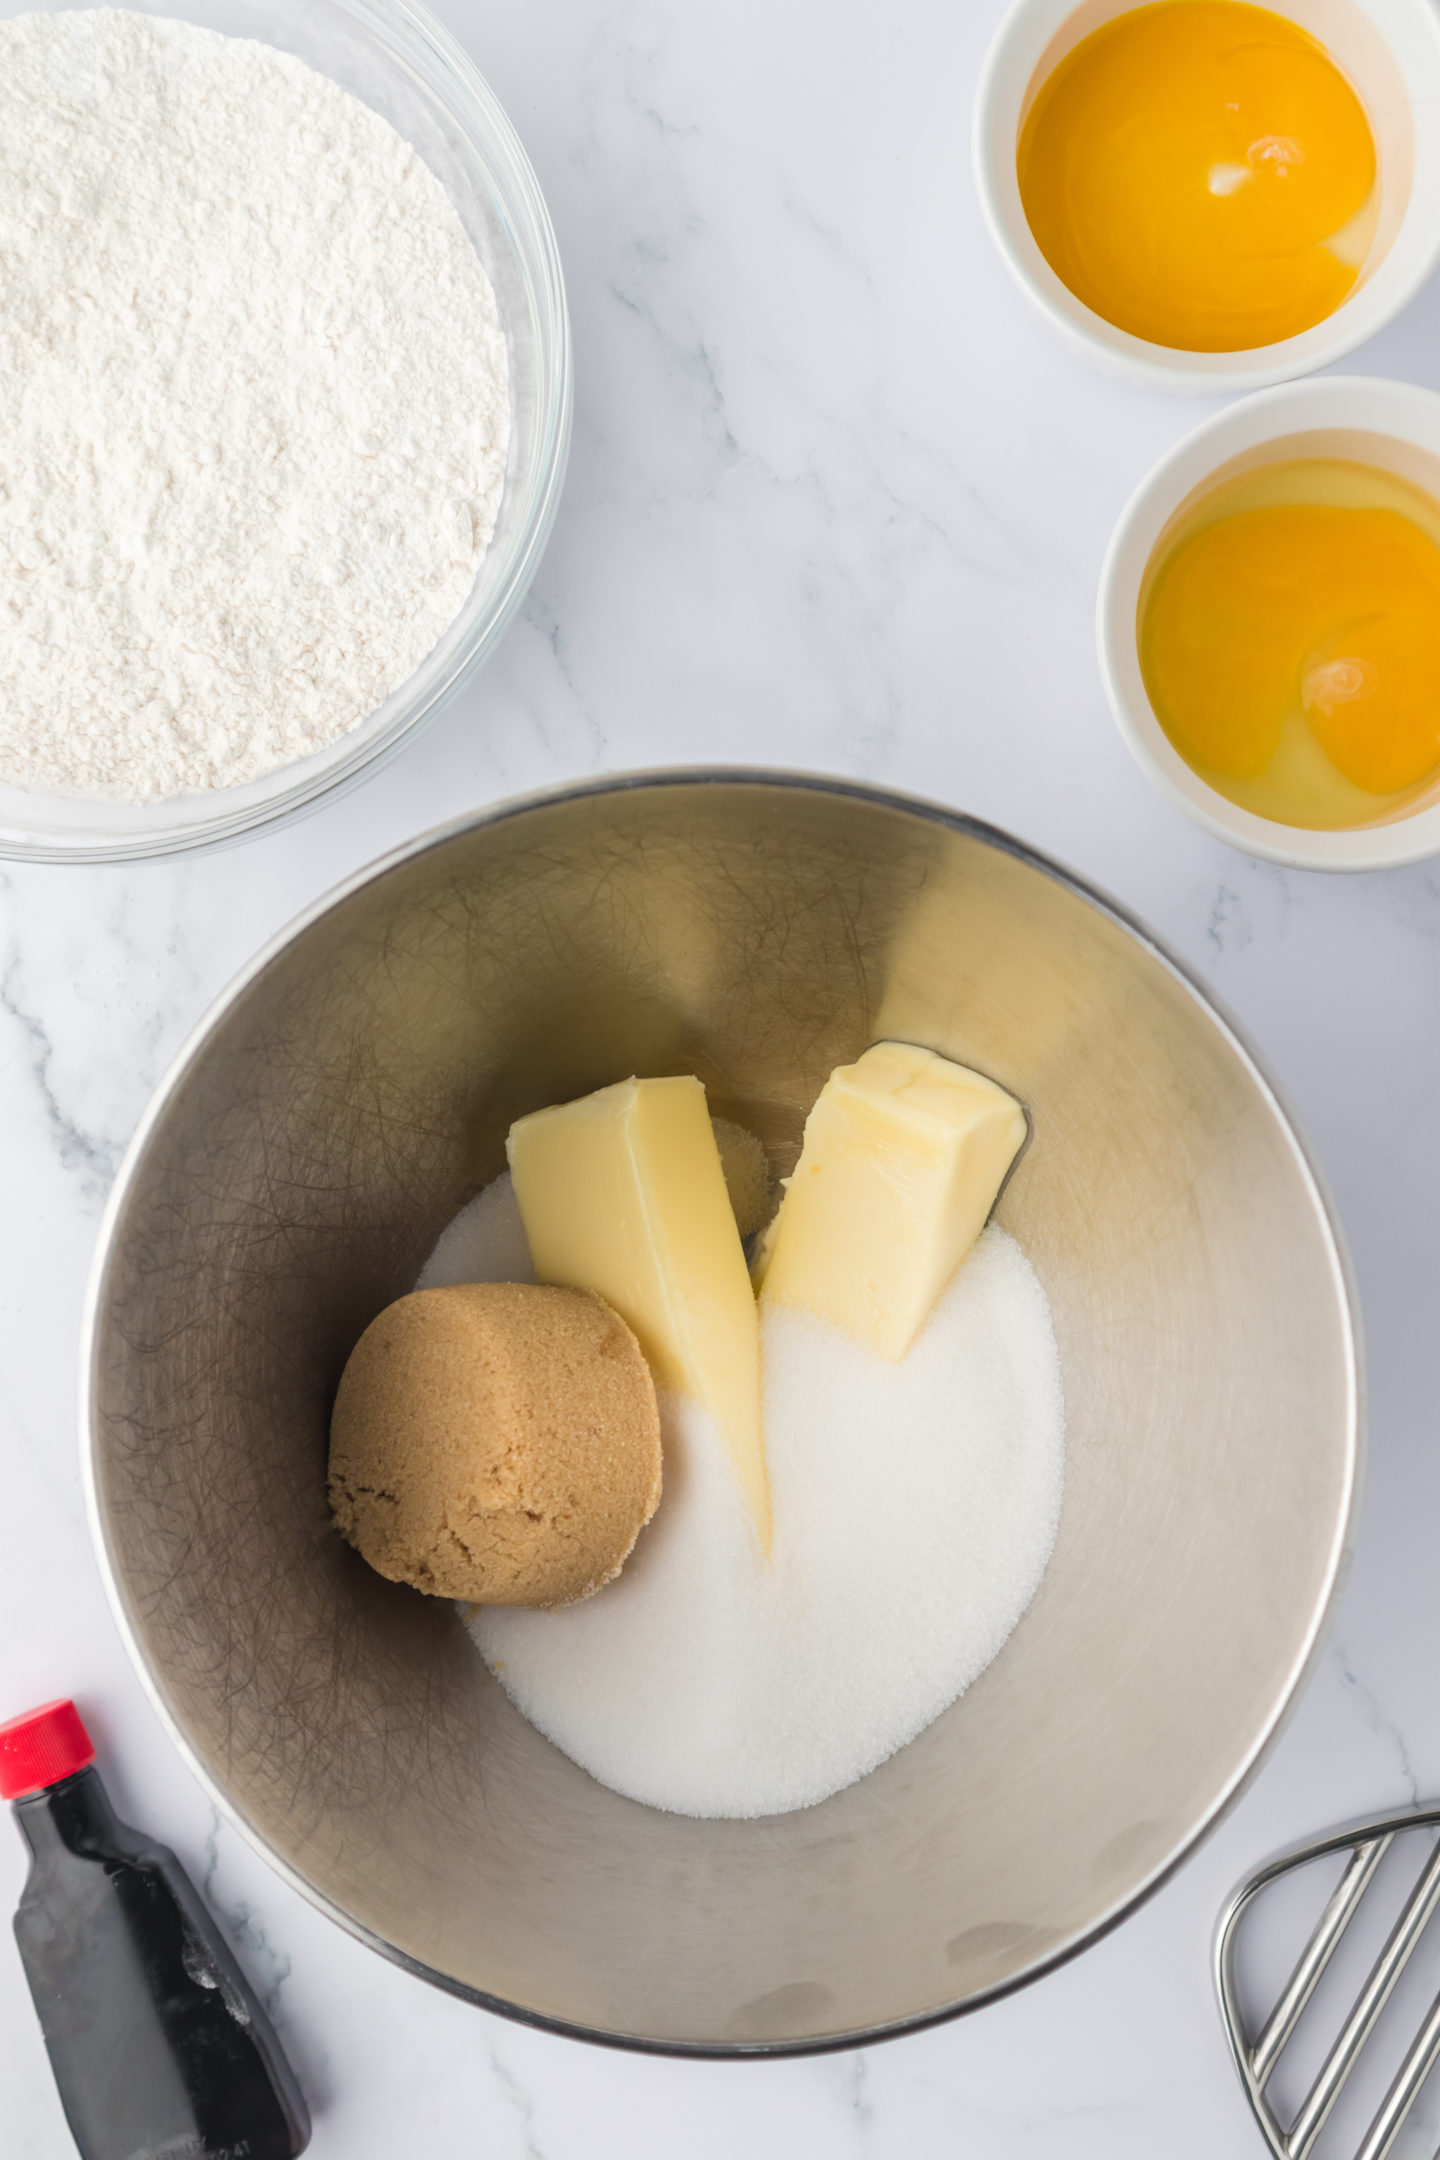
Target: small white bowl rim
1370 404
1157 367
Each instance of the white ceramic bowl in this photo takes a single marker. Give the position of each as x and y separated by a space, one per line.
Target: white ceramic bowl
1390 424
397 59
1391 51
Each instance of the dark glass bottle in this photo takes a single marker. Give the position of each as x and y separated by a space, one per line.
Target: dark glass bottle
159 2046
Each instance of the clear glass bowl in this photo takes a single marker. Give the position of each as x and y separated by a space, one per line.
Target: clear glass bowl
395 58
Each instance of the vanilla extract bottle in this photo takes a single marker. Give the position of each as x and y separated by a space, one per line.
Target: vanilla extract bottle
158 2043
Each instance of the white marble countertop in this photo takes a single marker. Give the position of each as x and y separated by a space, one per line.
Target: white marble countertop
836 500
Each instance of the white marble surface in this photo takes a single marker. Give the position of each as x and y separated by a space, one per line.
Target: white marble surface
836 500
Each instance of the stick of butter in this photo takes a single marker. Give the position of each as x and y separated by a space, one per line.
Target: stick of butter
622 1193
903 1156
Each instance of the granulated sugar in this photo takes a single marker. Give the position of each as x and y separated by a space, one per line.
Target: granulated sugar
253 407
916 1506
485 1243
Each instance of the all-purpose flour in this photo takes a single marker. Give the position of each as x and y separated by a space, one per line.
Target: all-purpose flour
916 1506
253 407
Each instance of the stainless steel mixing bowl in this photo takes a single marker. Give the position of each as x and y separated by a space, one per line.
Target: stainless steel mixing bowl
356 1085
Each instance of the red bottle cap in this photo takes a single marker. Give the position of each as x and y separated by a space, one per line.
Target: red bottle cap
41 1747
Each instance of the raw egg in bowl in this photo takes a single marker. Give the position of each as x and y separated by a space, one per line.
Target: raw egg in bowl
1269 624
1210 194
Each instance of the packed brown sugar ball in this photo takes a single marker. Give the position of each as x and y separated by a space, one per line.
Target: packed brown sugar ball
496 1442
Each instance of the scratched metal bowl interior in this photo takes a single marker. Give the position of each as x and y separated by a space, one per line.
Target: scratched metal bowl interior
356 1085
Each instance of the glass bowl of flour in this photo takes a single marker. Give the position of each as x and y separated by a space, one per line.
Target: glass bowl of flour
287 407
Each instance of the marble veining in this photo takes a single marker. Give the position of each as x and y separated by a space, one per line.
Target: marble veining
836 501
92 1006
1371 1710
862 2107
1254 902
268 1966
520 2100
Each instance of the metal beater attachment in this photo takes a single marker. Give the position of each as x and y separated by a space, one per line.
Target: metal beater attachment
1256 2059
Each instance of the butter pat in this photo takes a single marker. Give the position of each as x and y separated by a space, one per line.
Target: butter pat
623 1193
903 1156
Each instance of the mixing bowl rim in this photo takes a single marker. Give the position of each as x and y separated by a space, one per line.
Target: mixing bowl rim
1287 1695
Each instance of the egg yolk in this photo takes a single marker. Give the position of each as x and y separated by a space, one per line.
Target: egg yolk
1189 170
1310 607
